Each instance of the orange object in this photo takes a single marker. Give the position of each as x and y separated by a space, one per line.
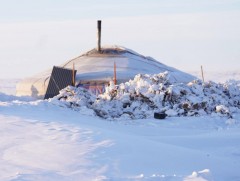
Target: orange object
115 74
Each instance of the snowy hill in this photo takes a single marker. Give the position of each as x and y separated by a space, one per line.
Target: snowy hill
43 141
63 139
62 144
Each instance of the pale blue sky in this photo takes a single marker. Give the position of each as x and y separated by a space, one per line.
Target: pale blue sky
185 34
51 10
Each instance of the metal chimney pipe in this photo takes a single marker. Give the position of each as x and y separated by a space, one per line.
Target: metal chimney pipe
99 35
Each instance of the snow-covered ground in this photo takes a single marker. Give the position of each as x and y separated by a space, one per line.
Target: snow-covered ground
42 141
8 86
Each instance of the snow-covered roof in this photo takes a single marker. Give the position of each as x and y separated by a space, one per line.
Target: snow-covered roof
94 66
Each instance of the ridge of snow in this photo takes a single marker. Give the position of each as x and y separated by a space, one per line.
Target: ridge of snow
145 94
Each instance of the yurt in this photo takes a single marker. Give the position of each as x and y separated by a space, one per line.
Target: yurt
94 69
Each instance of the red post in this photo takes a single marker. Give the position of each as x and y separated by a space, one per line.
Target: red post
115 74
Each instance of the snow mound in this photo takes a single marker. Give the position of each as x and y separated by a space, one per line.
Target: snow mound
204 175
145 94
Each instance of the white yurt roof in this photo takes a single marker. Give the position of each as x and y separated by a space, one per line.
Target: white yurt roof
94 66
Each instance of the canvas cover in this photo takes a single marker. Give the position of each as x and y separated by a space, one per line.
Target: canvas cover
95 68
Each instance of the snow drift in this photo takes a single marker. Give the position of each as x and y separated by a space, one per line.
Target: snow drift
145 94
42 141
